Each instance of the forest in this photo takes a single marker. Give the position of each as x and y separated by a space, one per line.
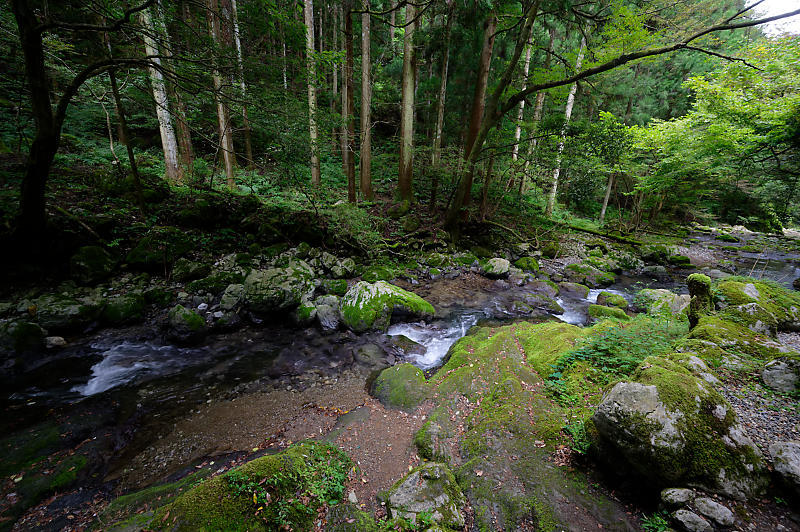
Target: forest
400 265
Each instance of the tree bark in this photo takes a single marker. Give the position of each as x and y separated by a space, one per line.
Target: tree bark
348 106
311 65
366 103
609 186
485 192
223 114
521 113
437 137
169 143
407 110
392 23
479 97
551 197
248 145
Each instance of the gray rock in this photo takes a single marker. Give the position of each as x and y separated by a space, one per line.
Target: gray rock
714 511
368 306
371 356
676 497
185 325
54 341
430 488
782 374
67 314
278 289
662 301
328 317
187 270
690 521
21 336
496 268
344 268
232 297
786 461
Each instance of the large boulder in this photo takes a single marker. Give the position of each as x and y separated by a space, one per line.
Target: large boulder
674 428
185 325
278 289
496 268
368 306
67 313
735 293
124 308
661 301
786 461
782 374
428 489
91 264
21 336
588 275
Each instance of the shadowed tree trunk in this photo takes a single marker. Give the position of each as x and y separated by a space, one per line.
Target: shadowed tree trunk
311 65
348 105
537 114
437 137
407 110
248 145
223 114
366 103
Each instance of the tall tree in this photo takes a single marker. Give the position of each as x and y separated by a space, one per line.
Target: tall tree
348 105
521 113
440 105
407 109
311 66
215 17
538 107
366 104
154 24
551 197
248 145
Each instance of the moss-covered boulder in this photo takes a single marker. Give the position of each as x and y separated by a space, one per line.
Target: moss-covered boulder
402 386
67 313
336 287
782 374
496 268
681 261
368 306
123 309
603 264
573 290
188 270
278 289
343 268
158 250
675 429
588 275
377 272
280 491
215 282
185 325
527 264
91 264
432 490
735 337
610 299
21 336
700 302
600 312
782 303
727 237
660 301
655 253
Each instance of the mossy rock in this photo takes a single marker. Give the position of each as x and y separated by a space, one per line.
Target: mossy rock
67 313
496 268
187 270
368 306
655 253
600 312
439 260
429 489
21 336
335 286
781 302
603 264
289 487
609 299
278 289
410 223
661 302
551 250
465 259
588 275
527 264
185 325
675 429
736 337
402 386
214 283
123 309
727 237
378 273
91 264
158 250
680 260
398 210
574 289
348 518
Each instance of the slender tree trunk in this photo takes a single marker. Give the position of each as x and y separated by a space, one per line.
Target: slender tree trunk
521 112
223 115
485 192
284 63
491 118
366 102
348 106
479 97
169 142
407 110
392 23
248 145
605 198
551 197
437 137
537 114
311 65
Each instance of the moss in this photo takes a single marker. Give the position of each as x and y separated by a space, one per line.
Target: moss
123 309
370 306
402 386
726 237
465 259
215 283
679 260
601 312
67 471
378 273
23 448
734 337
348 518
268 493
781 302
611 299
527 264
335 286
